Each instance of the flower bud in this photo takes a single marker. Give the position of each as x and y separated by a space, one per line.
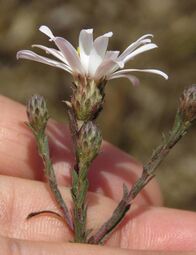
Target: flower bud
37 113
89 142
187 106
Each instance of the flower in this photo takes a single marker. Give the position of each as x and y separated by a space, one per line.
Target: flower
92 59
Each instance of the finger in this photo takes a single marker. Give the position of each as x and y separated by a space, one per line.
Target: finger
144 227
21 247
19 157
158 228
20 197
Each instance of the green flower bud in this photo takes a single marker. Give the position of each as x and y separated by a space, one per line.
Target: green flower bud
187 106
37 113
89 142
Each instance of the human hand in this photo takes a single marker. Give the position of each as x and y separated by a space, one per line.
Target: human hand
147 227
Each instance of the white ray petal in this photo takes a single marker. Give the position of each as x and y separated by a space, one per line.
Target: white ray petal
70 54
134 80
106 68
144 37
30 55
54 52
46 30
101 43
140 50
126 71
141 41
98 52
111 55
133 47
85 46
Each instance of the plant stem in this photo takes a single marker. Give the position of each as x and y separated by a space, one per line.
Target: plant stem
43 148
79 207
37 114
79 192
87 141
178 131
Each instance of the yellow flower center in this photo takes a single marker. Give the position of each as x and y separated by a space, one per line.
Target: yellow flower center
78 51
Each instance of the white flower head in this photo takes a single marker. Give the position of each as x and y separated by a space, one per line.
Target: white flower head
92 59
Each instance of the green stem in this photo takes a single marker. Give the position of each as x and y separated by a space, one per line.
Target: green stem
43 148
78 182
79 193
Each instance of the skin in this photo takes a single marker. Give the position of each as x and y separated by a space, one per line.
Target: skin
148 226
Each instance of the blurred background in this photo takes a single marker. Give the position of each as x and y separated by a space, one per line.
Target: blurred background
137 116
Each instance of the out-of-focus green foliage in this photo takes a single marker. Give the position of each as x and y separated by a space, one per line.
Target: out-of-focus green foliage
136 115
